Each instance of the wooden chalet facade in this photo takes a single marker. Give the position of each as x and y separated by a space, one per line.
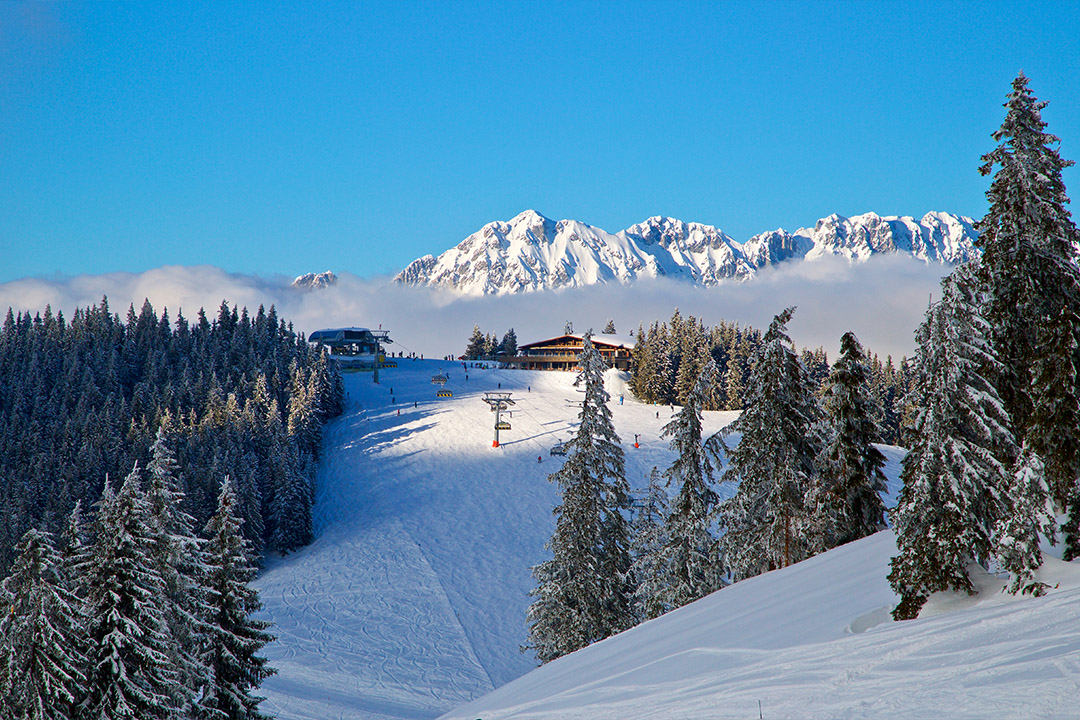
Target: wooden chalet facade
561 353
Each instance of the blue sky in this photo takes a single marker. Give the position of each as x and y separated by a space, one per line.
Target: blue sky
281 138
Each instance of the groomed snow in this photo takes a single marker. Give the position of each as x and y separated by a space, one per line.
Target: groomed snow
411 601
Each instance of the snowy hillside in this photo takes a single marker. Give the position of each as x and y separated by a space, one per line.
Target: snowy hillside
531 252
411 601
815 641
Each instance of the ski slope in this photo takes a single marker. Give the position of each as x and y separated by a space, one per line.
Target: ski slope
411 601
816 641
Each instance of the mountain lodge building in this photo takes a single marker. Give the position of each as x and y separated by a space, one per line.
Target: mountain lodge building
561 353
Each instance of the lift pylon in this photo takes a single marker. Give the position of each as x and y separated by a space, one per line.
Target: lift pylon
498 401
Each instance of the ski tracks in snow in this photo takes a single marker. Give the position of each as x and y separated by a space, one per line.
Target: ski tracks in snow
412 599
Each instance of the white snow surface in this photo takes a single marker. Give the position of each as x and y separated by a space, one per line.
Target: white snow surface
816 641
412 599
531 252
410 603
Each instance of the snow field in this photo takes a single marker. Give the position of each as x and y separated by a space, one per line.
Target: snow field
412 598
411 601
816 641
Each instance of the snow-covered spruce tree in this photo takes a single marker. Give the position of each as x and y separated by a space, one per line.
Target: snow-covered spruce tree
475 347
689 556
1029 270
648 572
234 638
289 504
1055 419
850 467
954 484
643 367
290 509
179 559
41 663
1016 543
765 525
130 673
508 344
609 329
74 552
583 592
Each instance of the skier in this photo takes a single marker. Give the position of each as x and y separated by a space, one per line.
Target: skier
539 458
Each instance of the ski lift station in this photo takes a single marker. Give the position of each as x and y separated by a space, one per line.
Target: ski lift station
562 352
353 348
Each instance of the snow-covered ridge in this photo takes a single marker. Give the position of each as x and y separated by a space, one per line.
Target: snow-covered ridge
315 281
532 252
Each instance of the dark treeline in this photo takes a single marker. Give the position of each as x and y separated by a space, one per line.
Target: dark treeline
237 396
486 346
670 356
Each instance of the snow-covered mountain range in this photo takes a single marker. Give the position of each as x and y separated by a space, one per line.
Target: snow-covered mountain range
532 252
315 281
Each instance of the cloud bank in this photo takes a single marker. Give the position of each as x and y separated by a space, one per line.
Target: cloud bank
881 300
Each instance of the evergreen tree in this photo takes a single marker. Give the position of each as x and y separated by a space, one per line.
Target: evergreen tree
648 572
178 557
41 663
643 368
1052 431
609 329
733 386
74 552
490 346
1027 515
850 467
953 493
689 555
509 343
475 348
766 523
234 637
583 592
290 508
1029 269
130 671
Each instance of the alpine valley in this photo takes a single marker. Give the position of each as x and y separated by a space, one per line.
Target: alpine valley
532 252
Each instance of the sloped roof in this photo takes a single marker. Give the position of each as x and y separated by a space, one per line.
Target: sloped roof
618 341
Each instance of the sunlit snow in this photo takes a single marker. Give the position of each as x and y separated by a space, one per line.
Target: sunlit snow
411 601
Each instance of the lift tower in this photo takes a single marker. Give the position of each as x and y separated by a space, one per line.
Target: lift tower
498 401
